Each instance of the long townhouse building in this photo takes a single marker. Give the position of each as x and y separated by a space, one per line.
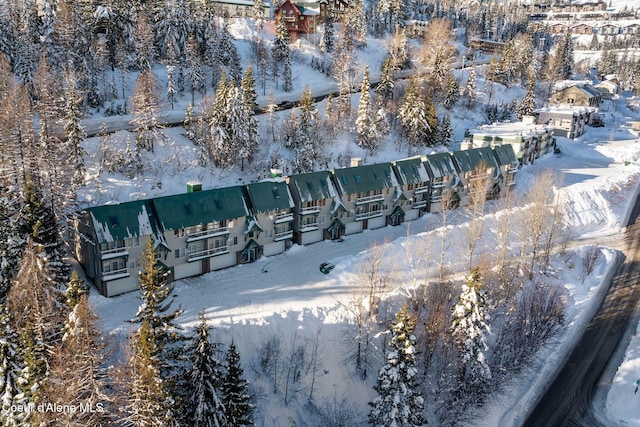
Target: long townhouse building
201 231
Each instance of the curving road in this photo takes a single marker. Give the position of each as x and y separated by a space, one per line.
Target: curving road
569 399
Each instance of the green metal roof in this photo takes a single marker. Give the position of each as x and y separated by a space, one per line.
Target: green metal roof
440 164
313 186
201 207
505 154
124 220
268 196
469 160
411 171
365 178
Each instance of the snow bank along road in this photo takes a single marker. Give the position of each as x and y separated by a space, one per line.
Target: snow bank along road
569 399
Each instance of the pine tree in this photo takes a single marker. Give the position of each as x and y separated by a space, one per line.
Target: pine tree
195 73
399 401
386 85
205 379
453 94
280 49
327 43
145 110
76 289
143 43
249 89
412 116
11 370
78 373
287 77
38 222
171 85
11 243
364 119
236 398
147 401
258 13
469 328
528 105
74 131
445 132
470 88
155 311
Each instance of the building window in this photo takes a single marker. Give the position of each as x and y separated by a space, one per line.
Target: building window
322 219
178 233
180 253
269 232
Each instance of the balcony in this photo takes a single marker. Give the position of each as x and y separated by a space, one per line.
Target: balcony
369 199
421 189
205 234
115 274
437 184
283 235
207 253
310 210
420 204
367 215
114 253
287 217
308 227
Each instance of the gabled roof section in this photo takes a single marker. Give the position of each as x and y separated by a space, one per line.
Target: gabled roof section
411 171
313 186
469 160
269 196
439 165
365 178
505 155
200 207
123 221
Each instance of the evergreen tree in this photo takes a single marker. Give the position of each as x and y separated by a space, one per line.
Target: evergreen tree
444 130
249 89
145 109
287 77
432 131
327 43
147 402
195 73
412 116
76 289
399 401
528 105
258 13
364 119
564 57
78 373
280 49
38 222
386 85
171 85
453 94
10 241
11 370
469 328
155 310
205 379
74 131
143 43
235 391
470 89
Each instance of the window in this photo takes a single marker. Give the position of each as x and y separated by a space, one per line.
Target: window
234 241
178 233
322 219
269 232
134 264
179 253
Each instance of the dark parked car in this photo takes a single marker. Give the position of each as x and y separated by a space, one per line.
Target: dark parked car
326 267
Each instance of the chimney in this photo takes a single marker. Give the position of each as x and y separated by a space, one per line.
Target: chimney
356 161
194 186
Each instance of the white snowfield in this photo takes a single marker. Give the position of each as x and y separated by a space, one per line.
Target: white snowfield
287 295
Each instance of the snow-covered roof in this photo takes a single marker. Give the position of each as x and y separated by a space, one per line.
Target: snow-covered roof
123 221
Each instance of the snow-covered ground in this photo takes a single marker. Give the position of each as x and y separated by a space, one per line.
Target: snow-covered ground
287 296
